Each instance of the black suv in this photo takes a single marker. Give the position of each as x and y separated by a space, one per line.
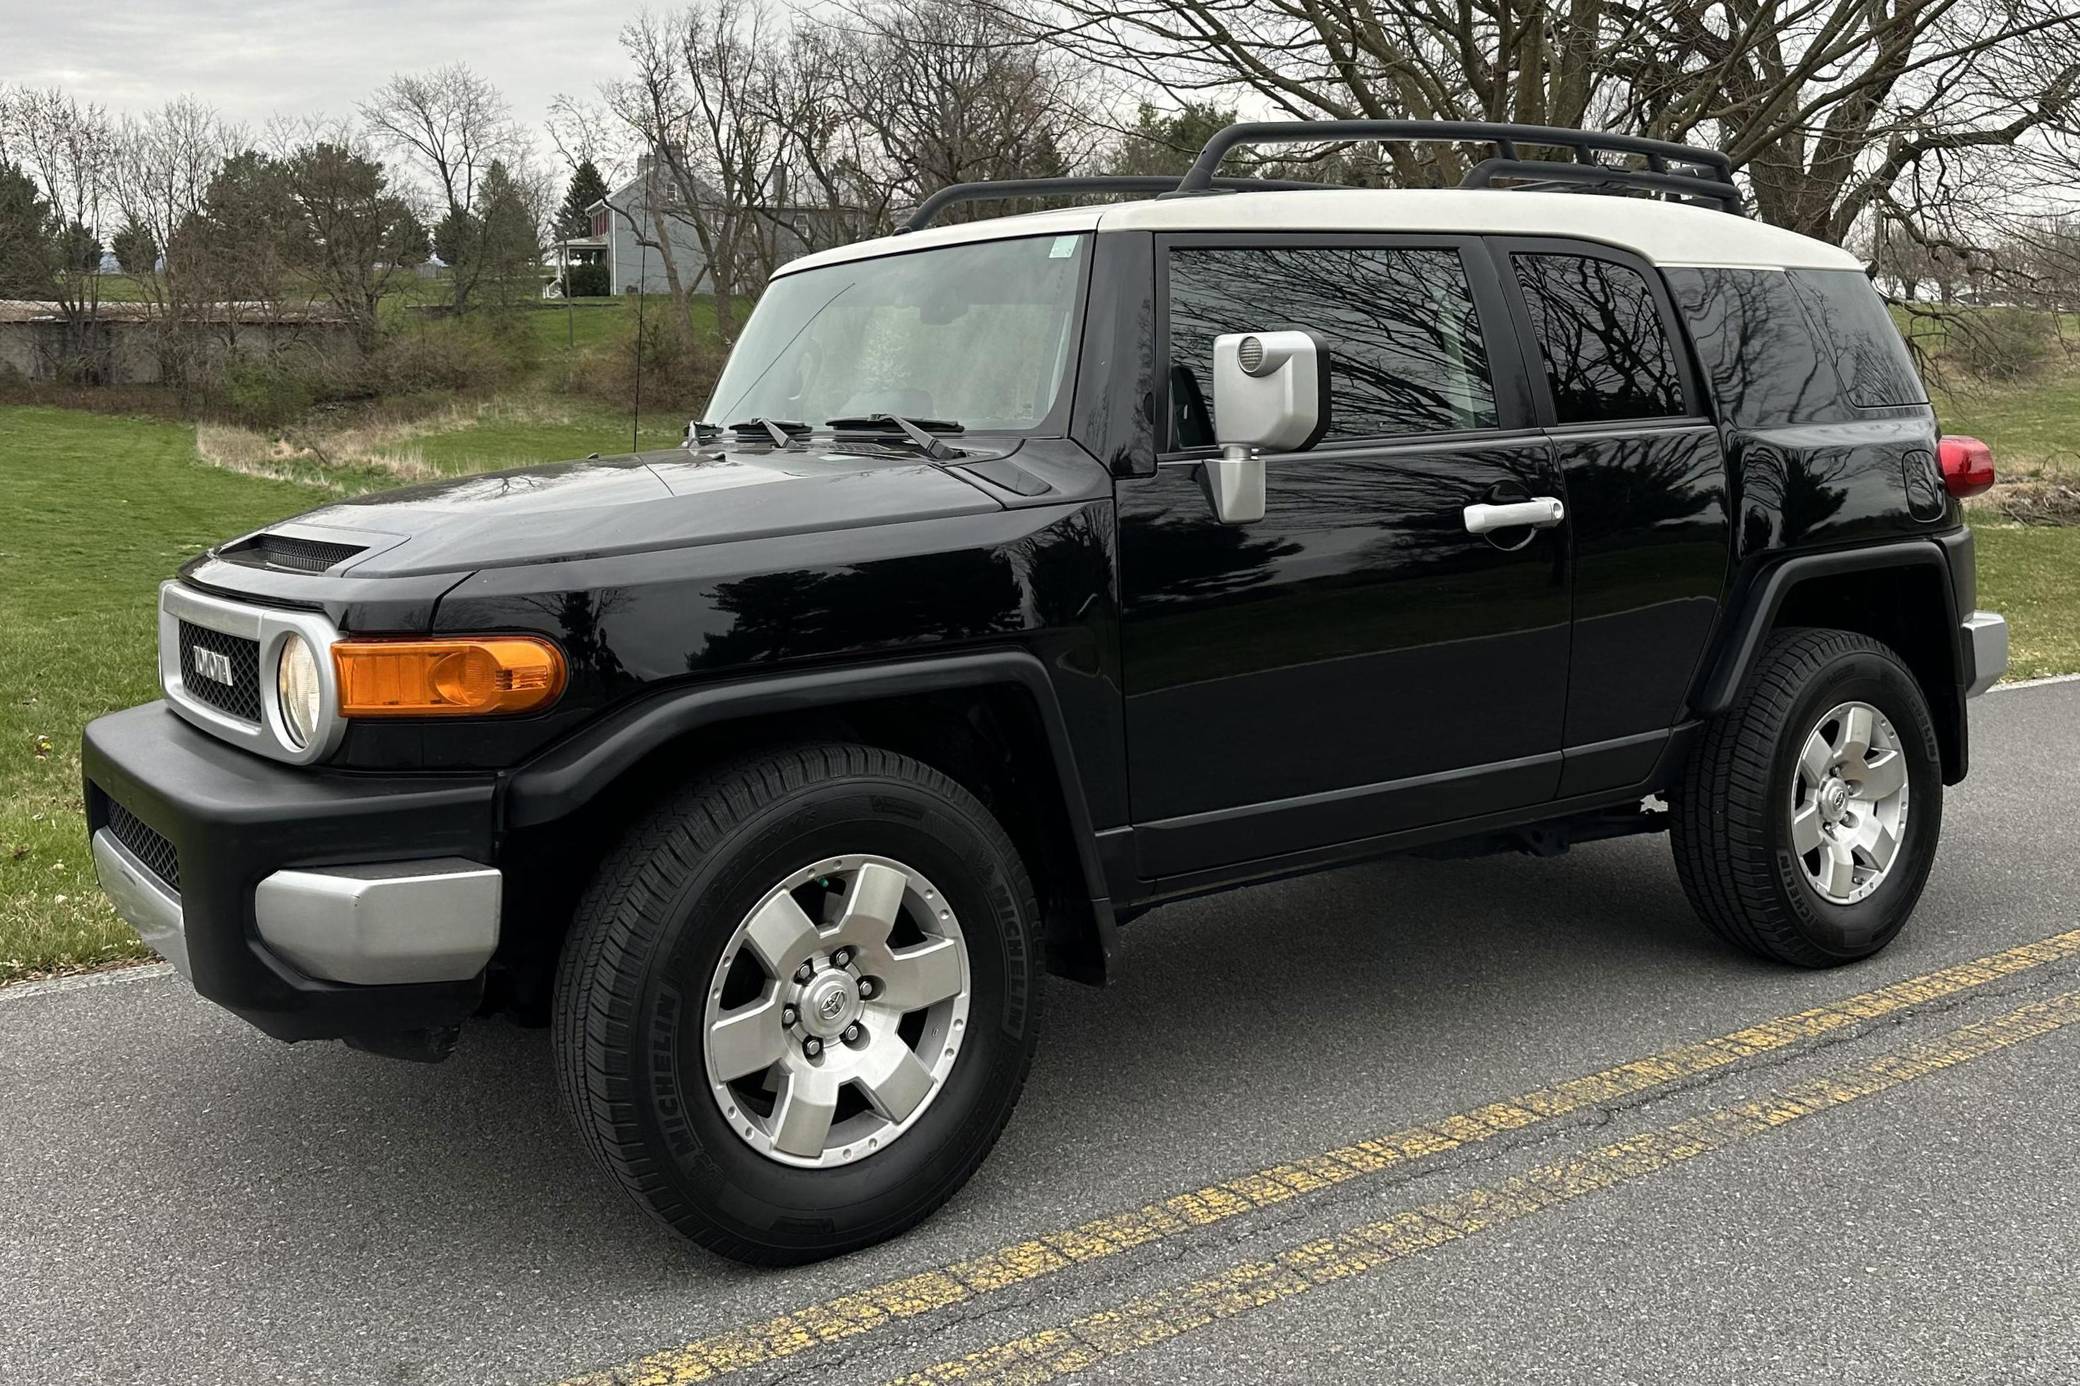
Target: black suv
1031 572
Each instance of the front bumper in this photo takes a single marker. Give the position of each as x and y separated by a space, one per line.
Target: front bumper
1986 639
315 905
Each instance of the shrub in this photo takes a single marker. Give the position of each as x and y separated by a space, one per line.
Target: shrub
480 351
260 393
2001 343
679 366
588 281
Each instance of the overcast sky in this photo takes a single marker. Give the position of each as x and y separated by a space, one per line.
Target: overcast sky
299 57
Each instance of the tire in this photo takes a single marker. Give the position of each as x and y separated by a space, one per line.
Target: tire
1732 813
634 1047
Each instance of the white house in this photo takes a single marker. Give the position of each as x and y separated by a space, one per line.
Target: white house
617 235
619 231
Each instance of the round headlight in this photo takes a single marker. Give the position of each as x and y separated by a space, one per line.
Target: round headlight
296 685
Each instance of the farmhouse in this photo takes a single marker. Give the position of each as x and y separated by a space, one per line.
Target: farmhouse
643 209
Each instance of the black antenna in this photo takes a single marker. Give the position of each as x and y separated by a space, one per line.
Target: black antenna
635 429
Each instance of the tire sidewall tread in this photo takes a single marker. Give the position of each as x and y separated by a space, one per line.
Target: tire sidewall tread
1728 818
649 931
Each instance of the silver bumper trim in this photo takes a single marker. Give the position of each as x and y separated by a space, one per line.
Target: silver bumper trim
385 923
1988 633
142 899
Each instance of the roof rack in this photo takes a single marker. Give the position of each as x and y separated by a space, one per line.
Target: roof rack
1678 170
1082 187
1704 174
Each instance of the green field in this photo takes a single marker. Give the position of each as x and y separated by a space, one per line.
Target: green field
94 513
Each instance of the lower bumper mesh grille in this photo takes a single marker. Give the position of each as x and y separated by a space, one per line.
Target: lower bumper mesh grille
147 844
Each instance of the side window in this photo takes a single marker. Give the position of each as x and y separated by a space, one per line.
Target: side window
1600 333
1851 319
1404 341
1765 364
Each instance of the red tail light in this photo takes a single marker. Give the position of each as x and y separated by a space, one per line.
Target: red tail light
1967 465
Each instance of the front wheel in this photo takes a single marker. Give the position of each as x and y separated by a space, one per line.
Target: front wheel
798 1002
1806 820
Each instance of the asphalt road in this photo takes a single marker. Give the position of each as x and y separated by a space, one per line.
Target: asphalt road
1883 1192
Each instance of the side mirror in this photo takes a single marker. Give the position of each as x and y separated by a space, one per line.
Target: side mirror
1270 390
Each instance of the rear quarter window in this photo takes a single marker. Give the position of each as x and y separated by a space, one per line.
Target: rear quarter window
1869 356
1761 356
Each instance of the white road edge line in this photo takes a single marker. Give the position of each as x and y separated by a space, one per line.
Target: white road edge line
22 991
2034 683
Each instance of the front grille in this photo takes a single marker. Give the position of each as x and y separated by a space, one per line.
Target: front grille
287 551
147 844
241 697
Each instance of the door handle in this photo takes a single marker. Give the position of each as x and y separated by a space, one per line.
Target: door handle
1540 512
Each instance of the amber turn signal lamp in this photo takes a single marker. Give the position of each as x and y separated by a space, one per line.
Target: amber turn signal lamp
473 676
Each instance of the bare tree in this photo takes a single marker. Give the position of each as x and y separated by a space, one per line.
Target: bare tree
67 148
164 162
450 125
698 103
1826 104
959 96
164 165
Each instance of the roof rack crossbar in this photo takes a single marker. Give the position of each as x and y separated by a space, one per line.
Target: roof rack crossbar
1706 168
1484 174
1007 188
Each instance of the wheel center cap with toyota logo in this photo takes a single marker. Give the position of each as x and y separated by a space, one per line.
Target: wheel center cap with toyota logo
829 1004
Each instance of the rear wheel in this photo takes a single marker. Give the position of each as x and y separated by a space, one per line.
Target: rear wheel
1807 818
797 1005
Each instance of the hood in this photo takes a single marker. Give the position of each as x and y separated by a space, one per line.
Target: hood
628 504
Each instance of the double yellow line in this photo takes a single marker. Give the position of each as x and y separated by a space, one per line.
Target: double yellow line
1251 1285
963 1282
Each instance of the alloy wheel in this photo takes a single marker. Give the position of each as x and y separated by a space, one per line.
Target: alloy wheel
1849 802
836 1011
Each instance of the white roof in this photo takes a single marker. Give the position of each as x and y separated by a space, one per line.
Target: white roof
1662 233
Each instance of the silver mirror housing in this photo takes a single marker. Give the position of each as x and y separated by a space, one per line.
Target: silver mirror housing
1270 390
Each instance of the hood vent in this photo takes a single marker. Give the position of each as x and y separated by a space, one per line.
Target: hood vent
289 554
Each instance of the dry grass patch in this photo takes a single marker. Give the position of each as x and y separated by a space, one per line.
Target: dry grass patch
347 452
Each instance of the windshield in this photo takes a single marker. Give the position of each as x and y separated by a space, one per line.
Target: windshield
975 334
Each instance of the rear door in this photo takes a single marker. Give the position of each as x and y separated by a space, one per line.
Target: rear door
1646 487
1356 662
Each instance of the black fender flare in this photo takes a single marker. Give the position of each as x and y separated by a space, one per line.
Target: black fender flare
562 779
1757 612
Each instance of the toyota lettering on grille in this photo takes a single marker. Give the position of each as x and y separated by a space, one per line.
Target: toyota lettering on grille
212 665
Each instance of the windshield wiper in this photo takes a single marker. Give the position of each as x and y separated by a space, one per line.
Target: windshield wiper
922 432
782 432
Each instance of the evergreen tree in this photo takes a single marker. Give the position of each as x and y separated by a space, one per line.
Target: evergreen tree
455 238
136 252
352 234
1167 141
587 187
509 249
408 240
25 220
79 248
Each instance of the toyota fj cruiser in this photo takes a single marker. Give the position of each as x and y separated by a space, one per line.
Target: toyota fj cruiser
1028 573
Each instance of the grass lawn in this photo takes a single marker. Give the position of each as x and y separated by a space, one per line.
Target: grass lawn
2031 574
94 513
582 323
2033 423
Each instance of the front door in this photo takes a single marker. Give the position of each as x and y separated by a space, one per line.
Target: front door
1357 662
